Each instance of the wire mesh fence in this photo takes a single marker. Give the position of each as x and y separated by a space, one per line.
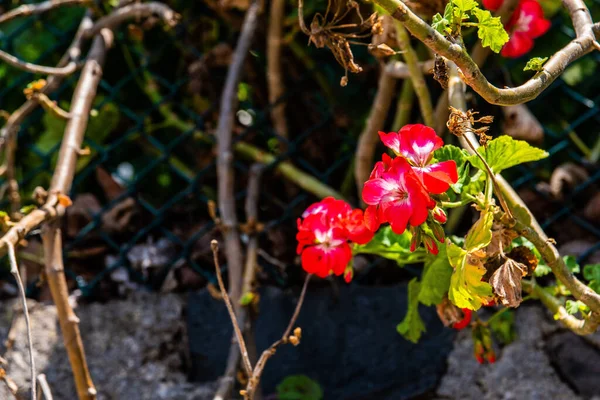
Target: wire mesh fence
141 196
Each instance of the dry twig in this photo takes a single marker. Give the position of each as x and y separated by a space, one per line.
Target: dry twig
274 77
40 8
45 393
14 270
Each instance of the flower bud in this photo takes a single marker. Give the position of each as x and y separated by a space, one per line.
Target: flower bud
440 215
298 332
463 323
438 232
430 244
294 340
348 274
416 239
491 356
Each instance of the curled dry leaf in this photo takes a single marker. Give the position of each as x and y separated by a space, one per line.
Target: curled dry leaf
449 314
381 50
440 71
524 255
521 124
506 282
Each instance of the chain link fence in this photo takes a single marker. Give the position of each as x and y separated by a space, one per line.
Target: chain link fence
141 197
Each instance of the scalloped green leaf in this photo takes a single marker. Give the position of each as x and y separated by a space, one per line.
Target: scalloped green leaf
505 152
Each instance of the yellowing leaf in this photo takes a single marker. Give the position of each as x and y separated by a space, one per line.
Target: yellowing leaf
490 30
466 288
505 152
480 234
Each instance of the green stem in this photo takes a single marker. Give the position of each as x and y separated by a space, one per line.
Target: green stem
404 106
578 326
456 204
416 74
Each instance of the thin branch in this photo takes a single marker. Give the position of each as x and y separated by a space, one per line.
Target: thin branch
472 75
45 393
40 8
14 270
532 230
254 381
81 104
399 70
274 77
580 327
214 245
368 139
416 75
137 10
225 171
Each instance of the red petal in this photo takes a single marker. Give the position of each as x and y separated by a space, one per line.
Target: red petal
357 228
518 45
418 142
437 178
492 5
338 258
313 262
538 27
374 190
391 140
397 214
372 218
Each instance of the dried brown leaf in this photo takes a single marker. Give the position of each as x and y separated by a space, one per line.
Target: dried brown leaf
506 282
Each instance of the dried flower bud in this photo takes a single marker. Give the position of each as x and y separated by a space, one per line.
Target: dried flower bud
243 393
344 81
298 332
381 50
294 340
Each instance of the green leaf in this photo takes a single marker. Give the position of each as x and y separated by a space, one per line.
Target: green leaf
247 298
435 280
466 288
412 325
505 152
441 24
27 209
535 64
579 71
460 156
490 30
465 6
591 272
299 387
571 263
503 327
480 234
573 307
395 247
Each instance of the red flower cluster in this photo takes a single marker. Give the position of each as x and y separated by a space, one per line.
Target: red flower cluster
324 233
398 190
527 23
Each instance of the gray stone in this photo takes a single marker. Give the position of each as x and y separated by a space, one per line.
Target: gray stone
135 350
523 369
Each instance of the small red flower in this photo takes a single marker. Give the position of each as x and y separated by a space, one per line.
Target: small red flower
463 323
416 143
526 24
324 233
397 197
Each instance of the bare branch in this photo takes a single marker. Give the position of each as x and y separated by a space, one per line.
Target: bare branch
225 171
399 70
234 319
274 77
472 75
137 10
37 69
40 8
368 139
254 381
14 270
45 393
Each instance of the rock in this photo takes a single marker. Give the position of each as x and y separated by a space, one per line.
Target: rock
577 361
135 350
349 342
523 369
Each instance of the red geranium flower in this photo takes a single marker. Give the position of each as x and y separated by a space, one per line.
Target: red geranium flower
324 233
526 24
417 143
396 196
